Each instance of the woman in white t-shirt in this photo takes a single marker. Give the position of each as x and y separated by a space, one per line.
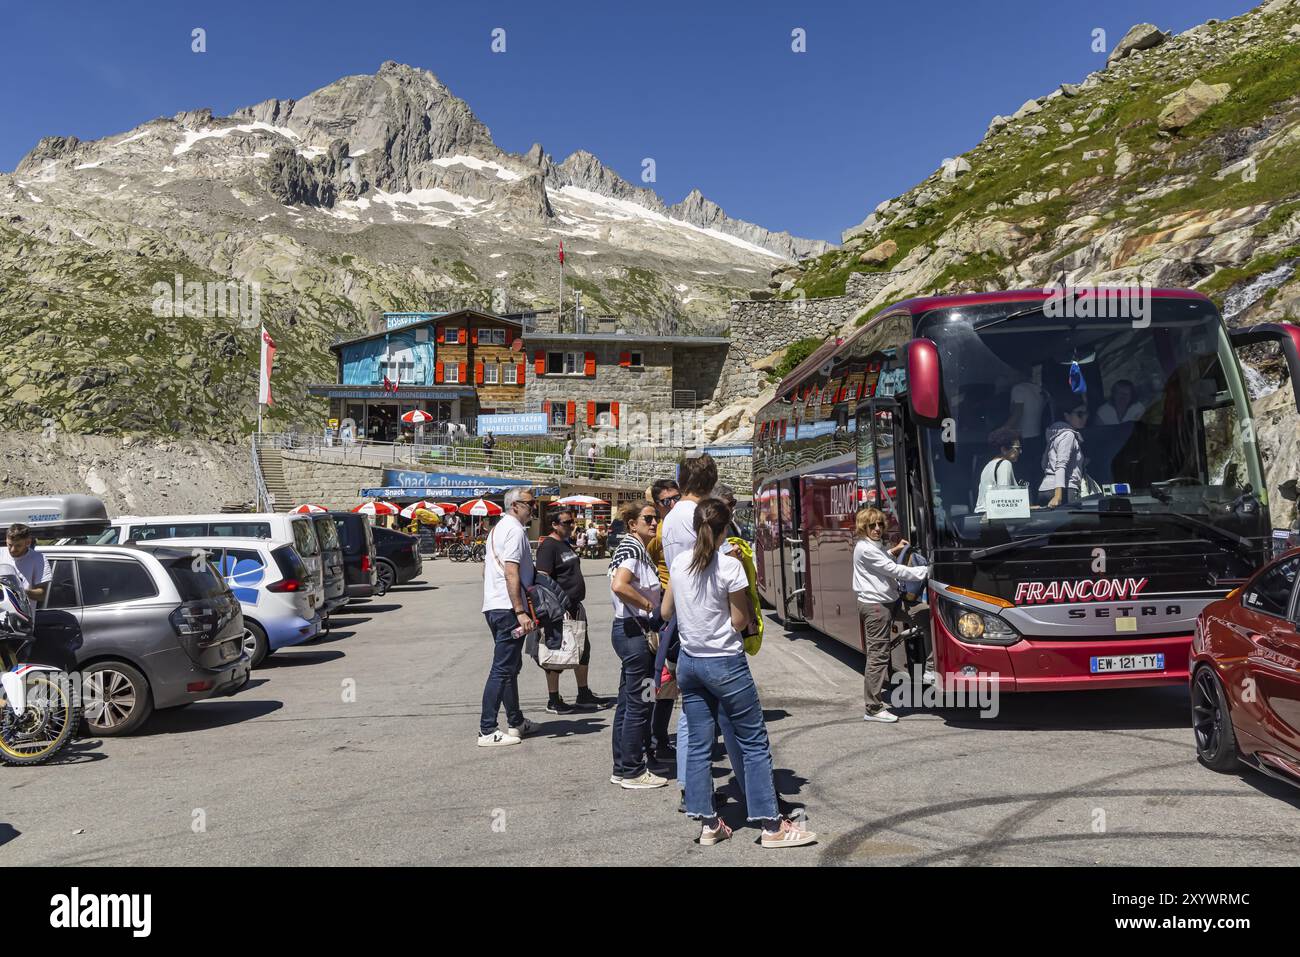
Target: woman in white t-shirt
1000 472
709 593
635 590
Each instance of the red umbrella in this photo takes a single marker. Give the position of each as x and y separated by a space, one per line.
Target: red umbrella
448 507
416 417
410 510
307 509
480 506
377 508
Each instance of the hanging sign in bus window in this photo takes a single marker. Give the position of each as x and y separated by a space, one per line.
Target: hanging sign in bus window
891 382
1003 503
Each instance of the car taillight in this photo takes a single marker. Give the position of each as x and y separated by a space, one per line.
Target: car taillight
365 563
285 584
189 620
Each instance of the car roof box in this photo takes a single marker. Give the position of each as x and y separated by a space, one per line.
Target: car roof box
55 516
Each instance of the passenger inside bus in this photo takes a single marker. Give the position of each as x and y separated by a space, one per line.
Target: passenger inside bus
1123 405
1063 457
1000 472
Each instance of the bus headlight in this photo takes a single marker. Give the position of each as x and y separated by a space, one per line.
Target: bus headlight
975 626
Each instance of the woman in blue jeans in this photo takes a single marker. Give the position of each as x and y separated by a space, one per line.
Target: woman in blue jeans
709 594
634 588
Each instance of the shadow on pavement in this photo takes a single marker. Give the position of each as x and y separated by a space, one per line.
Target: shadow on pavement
1270 786
350 622
1130 709
205 715
567 727
408 588
282 660
7 833
381 608
774 714
334 634
83 750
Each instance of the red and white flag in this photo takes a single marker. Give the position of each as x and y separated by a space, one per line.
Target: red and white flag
561 252
268 360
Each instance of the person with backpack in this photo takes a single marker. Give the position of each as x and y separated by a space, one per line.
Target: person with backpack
634 588
557 560
709 593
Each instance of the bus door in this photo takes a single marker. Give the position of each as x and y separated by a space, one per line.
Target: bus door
794 552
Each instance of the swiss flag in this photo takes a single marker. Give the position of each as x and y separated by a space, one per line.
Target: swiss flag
389 385
561 252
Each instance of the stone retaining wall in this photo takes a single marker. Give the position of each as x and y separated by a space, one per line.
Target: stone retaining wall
331 484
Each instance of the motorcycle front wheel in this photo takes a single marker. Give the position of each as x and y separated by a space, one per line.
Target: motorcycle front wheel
46 726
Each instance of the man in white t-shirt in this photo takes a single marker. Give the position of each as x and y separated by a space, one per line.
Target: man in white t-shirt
1027 401
23 561
507 572
1122 407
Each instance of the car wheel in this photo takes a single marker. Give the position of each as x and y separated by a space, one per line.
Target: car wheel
1216 742
255 644
385 578
117 699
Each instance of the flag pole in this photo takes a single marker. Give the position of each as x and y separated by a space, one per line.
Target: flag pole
559 319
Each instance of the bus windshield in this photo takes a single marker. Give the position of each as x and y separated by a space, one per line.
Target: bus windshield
1141 423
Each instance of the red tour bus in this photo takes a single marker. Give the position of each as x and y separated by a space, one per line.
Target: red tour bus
1101 590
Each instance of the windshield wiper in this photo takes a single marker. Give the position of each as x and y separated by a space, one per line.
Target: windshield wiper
1015 315
978 553
1208 526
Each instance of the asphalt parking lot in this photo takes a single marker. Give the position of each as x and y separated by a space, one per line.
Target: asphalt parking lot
359 749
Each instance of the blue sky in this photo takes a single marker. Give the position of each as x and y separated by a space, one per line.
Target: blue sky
712 91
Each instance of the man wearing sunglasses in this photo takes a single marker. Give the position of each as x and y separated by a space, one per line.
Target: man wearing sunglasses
557 559
665 493
507 572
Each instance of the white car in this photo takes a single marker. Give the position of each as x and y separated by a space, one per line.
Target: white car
271 582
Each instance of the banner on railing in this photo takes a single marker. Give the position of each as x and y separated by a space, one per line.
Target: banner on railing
728 451
516 423
445 480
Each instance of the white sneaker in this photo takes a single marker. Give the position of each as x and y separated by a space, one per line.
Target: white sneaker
646 779
615 779
496 739
524 730
884 716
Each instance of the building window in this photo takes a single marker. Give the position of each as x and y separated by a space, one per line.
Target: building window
451 334
636 359
490 374
451 372
511 374
492 337
565 363
559 413
604 413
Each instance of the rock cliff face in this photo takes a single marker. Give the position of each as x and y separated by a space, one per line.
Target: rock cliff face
374 193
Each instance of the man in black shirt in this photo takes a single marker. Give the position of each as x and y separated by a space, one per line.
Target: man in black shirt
557 559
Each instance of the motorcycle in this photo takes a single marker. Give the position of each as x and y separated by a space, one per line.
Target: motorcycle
40 709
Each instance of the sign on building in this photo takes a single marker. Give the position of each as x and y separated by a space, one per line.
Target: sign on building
519 423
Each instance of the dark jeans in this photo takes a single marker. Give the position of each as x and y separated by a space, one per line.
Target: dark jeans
503 679
657 728
635 697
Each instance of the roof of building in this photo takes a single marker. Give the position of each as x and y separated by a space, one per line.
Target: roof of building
580 337
435 317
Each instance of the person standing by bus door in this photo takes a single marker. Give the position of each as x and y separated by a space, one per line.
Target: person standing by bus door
875 584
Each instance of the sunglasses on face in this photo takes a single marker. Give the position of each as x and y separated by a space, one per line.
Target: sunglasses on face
669 499
875 524
649 519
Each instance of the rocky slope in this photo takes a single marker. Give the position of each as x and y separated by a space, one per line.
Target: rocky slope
1177 164
373 193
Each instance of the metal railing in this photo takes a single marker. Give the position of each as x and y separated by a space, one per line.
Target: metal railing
259 480
637 468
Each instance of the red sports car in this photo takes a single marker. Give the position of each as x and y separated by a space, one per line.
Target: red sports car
1245 675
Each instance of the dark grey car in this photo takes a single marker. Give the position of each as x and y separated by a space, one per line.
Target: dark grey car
331 561
159 629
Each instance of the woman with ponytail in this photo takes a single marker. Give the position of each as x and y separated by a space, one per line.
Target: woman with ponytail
708 592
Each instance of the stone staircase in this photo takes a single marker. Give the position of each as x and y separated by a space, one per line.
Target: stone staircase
272 467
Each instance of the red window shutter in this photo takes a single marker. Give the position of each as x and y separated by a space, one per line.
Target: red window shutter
589 367
625 359
474 337
510 335
438 337
613 411
462 335
546 408
591 413
519 375
539 363
464 372
569 411
478 373
437 372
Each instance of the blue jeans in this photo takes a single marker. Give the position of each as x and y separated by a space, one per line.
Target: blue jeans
635 697
715 690
734 754
503 679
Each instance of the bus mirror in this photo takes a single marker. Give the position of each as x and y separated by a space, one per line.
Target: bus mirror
924 384
1287 338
